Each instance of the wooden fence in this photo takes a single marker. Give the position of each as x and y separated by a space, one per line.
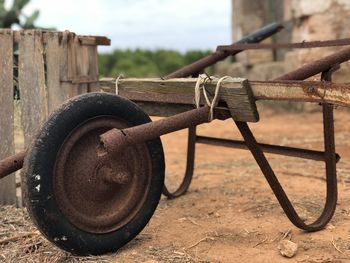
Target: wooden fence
47 68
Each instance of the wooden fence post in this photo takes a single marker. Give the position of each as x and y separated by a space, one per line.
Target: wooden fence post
57 67
32 82
7 184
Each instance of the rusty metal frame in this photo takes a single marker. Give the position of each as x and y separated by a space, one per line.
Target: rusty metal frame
325 64
329 156
331 175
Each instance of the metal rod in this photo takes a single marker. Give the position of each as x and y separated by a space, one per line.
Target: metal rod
115 140
329 146
317 66
11 164
198 66
275 184
308 44
331 176
191 147
268 148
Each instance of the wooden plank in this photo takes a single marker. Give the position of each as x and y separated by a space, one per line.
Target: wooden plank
301 91
163 109
72 64
240 102
32 83
7 184
93 69
85 40
77 65
235 93
66 63
56 67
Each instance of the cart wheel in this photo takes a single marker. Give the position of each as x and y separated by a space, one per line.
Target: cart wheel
83 203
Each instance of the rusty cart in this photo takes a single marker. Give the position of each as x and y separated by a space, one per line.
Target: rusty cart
94 174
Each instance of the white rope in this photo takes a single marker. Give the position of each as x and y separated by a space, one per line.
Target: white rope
116 83
201 81
215 100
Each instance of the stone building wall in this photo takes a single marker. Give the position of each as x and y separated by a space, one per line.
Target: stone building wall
305 20
318 20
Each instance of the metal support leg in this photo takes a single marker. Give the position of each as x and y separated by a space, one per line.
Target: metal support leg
331 175
191 146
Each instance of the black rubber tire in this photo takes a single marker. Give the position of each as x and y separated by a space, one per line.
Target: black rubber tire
40 160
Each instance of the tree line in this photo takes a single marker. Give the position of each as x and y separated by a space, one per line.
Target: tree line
146 63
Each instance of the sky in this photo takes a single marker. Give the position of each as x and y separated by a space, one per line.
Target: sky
149 24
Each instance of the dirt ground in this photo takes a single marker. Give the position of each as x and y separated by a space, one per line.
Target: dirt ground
229 213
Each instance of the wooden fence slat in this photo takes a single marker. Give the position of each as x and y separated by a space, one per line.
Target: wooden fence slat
7 184
77 58
82 64
32 83
56 65
93 68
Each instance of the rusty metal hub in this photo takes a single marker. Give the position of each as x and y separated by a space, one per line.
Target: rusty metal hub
98 194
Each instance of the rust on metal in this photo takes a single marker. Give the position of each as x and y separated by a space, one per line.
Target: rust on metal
278 189
330 160
305 44
114 141
191 147
268 148
99 194
11 164
317 66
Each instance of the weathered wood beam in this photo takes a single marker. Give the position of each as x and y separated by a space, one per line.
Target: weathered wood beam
8 184
181 91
